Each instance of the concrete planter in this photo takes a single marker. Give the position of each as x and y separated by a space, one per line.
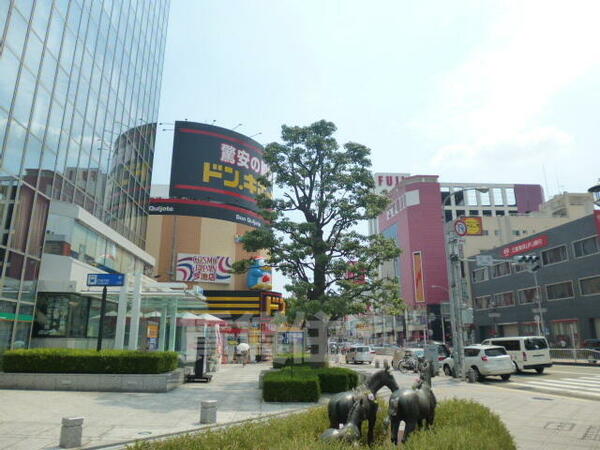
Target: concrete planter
162 382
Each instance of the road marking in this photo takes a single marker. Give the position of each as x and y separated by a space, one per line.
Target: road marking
557 389
594 386
553 370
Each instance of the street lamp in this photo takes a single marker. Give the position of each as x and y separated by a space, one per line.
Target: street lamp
595 191
456 300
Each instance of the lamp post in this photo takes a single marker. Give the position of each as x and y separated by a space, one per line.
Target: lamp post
595 191
456 307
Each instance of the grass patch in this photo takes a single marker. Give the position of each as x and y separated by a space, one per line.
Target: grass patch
460 424
66 360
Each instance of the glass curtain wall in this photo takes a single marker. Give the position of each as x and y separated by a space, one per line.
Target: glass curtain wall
78 108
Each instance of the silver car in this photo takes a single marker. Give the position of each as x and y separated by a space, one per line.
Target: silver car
360 354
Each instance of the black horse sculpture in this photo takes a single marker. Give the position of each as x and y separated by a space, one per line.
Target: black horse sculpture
360 411
340 404
413 406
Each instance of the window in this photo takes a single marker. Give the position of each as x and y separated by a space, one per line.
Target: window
471 352
559 290
528 295
586 246
460 213
512 345
590 286
473 212
511 200
480 275
498 200
495 351
482 302
459 196
487 213
501 270
554 255
471 197
504 299
499 212
535 344
516 233
485 198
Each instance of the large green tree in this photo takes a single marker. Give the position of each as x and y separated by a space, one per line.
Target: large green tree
311 237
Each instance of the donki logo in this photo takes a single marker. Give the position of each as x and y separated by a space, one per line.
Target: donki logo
525 246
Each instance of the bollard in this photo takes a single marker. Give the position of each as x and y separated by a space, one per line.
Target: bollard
208 411
377 364
70 432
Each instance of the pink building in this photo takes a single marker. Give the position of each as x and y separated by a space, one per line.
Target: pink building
416 219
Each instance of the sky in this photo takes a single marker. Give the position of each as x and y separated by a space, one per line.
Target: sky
473 91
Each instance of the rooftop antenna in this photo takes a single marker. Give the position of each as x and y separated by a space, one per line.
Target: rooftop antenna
238 125
260 132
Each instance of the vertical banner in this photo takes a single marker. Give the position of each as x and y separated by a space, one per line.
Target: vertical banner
597 219
418 274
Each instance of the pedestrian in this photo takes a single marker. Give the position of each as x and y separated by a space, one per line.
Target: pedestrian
242 351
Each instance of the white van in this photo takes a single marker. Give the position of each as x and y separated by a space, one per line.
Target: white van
527 352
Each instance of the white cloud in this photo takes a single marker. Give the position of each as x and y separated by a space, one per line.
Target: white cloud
490 108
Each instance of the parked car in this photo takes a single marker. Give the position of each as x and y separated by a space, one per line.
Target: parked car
527 352
360 354
488 360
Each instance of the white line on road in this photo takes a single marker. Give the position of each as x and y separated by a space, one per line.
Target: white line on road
575 388
553 370
574 383
555 389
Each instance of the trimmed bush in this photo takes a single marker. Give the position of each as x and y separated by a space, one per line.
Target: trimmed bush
65 360
290 359
301 432
283 387
331 379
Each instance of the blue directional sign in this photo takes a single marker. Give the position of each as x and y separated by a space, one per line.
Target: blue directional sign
105 279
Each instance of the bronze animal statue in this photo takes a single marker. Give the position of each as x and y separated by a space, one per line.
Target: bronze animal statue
340 404
413 406
360 411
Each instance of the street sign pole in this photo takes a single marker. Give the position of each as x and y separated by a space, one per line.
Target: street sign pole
101 324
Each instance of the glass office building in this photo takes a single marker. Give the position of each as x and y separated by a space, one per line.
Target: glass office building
79 95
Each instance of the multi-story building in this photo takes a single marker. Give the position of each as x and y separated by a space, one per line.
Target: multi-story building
78 106
420 208
507 297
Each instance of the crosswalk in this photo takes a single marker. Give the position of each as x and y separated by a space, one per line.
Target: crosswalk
582 386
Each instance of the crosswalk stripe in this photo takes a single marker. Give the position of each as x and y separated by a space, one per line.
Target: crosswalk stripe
560 385
570 383
556 389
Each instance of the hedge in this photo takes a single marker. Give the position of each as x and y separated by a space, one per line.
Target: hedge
331 379
283 387
459 425
64 360
290 359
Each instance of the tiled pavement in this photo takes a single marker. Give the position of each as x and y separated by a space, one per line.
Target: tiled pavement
31 419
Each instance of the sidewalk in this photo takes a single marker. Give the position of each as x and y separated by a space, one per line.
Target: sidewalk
31 419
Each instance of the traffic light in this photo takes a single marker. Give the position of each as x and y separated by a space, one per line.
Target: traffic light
532 261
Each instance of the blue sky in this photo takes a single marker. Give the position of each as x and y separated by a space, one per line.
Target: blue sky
475 91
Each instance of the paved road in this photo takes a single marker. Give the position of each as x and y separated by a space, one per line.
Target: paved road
571 381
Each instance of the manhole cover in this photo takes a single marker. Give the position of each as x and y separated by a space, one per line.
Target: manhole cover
543 398
591 434
559 426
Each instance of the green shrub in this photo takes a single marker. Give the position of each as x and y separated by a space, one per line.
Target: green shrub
64 360
301 432
284 387
289 359
331 379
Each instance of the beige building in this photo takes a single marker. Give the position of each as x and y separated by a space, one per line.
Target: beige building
500 230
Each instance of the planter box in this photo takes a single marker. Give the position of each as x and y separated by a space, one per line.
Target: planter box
109 382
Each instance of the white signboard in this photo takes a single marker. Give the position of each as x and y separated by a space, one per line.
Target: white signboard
484 260
204 268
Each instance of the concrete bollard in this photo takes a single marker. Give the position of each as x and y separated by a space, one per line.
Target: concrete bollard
377 364
70 432
208 411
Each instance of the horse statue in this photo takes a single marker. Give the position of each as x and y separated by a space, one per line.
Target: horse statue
360 411
340 405
413 406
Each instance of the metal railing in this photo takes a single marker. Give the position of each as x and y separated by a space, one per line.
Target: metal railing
575 355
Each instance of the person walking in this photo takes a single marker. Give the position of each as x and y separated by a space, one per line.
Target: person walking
242 351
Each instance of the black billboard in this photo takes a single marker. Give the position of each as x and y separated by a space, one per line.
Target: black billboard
216 164
204 208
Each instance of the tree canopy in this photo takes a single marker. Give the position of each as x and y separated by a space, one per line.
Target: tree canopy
311 236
